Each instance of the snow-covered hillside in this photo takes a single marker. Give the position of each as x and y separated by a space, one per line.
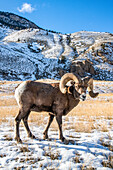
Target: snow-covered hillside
34 53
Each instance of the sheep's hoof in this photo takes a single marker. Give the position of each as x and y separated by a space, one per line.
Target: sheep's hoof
65 141
45 136
31 136
18 140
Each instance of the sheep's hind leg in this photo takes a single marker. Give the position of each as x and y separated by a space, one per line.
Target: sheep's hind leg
25 121
23 113
17 122
51 117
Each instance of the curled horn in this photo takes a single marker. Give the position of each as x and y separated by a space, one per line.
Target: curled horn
90 89
65 78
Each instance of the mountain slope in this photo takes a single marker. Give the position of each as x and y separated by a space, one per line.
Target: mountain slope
15 22
34 53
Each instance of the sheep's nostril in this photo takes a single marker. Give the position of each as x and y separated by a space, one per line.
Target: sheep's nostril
83 97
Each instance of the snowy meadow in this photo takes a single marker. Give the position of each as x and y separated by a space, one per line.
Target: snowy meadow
89 127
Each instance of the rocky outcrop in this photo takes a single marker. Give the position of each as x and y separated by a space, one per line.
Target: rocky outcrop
82 67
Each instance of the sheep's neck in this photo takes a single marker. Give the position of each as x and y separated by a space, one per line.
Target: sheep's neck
71 103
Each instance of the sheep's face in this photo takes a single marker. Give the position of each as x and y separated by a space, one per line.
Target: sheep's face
79 90
77 86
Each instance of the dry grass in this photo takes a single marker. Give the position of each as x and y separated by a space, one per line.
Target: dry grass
7 101
109 162
81 127
7 138
52 155
87 125
93 108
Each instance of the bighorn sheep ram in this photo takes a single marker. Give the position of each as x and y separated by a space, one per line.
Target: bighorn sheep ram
58 100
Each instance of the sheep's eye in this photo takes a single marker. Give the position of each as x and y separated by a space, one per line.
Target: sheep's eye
76 86
80 86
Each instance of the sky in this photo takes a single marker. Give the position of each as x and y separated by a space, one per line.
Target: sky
65 16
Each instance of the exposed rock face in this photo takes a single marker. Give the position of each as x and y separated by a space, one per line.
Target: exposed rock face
82 68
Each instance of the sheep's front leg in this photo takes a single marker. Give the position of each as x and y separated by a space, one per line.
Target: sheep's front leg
51 117
59 121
